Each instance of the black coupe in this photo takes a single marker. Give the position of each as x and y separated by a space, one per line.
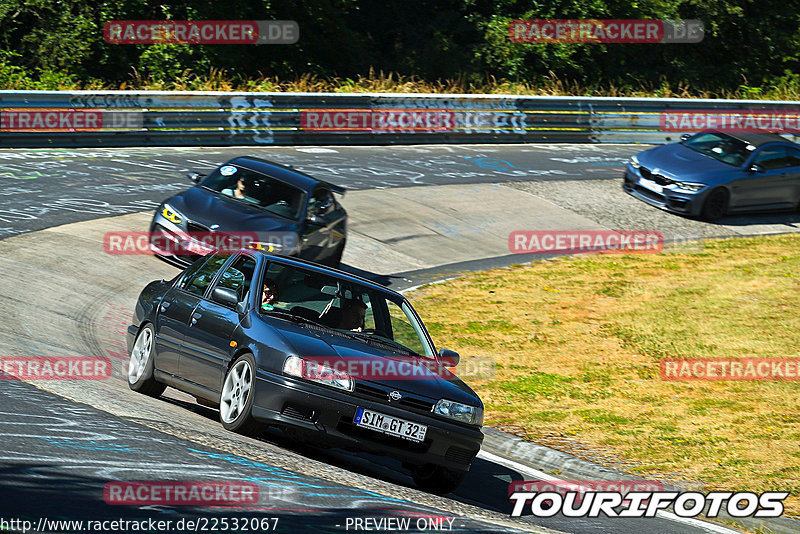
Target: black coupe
281 208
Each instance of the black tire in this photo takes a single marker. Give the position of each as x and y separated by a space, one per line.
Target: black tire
235 416
140 366
716 205
336 258
437 479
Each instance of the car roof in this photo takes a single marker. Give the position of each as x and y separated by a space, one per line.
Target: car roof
327 270
276 170
758 139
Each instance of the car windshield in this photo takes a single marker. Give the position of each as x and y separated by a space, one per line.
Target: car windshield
256 189
721 147
381 320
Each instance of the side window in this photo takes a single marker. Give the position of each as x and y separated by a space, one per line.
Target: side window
202 278
773 158
321 202
238 276
191 271
405 329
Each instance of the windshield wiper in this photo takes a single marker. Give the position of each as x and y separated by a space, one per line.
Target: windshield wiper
295 318
386 342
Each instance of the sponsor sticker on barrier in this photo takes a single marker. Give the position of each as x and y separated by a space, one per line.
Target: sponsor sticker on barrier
181 493
201 32
605 31
55 368
737 369
585 241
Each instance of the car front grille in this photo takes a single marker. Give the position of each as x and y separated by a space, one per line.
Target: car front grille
649 194
298 412
192 226
382 395
657 178
460 455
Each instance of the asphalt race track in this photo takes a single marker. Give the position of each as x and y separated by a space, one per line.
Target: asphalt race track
64 440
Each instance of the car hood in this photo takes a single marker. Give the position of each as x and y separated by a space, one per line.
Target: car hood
207 208
423 380
677 161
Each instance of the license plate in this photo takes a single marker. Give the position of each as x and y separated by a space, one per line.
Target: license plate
651 185
390 425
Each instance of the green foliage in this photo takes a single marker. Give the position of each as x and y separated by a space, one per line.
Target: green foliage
750 48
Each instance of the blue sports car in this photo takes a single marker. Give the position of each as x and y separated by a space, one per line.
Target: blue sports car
712 174
285 210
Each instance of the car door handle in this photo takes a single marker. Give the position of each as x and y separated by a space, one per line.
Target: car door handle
164 306
195 317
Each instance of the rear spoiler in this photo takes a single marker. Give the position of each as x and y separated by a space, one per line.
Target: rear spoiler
335 188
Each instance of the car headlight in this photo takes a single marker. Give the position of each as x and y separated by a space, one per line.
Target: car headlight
635 162
459 412
276 242
690 186
317 372
170 214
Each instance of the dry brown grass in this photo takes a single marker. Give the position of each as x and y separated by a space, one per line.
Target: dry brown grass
382 82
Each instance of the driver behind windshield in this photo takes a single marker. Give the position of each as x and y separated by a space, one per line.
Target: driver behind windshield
352 315
237 192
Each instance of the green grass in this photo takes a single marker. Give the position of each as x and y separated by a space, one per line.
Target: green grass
578 343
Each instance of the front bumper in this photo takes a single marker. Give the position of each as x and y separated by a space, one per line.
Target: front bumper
324 414
174 235
681 202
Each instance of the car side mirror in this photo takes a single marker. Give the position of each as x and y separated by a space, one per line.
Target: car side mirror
449 357
194 176
684 137
755 167
225 296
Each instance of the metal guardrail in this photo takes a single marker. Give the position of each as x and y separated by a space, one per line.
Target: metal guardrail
142 118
